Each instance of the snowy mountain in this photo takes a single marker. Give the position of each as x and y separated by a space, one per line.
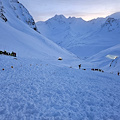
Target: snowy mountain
115 15
77 35
111 24
84 38
17 35
12 10
70 32
35 85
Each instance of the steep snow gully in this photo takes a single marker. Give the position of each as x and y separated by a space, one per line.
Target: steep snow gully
38 90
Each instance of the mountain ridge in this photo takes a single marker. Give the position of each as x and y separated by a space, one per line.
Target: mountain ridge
79 32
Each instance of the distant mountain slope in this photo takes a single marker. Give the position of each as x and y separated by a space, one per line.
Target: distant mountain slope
108 59
81 37
115 15
16 35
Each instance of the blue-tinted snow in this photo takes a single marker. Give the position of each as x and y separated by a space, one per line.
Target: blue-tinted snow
35 89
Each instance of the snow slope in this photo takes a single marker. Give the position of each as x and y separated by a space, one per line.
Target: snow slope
35 89
17 36
108 59
115 15
36 86
14 11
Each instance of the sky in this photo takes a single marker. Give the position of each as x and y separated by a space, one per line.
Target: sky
42 10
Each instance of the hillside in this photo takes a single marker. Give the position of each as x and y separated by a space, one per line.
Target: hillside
35 85
16 35
12 11
35 89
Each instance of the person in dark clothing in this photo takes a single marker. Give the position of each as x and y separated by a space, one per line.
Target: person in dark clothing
79 66
118 73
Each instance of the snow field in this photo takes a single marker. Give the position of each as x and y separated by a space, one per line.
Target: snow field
38 90
39 87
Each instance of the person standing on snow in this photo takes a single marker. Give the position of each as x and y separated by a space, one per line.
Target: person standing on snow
118 73
79 66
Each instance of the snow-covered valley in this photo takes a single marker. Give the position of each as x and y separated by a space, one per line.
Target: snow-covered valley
83 38
35 85
35 89
91 40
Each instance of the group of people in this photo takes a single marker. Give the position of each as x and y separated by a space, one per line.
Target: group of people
80 67
7 53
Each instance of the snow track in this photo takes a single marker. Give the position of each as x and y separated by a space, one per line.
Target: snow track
35 90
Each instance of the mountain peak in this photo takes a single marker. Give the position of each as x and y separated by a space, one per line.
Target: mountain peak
71 19
115 15
59 18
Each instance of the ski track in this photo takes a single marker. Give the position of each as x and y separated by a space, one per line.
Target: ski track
35 90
